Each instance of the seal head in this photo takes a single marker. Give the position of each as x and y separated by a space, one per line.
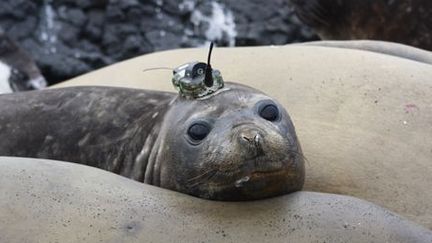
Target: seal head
18 71
237 144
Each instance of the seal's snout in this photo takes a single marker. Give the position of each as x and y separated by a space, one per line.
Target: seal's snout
252 140
250 136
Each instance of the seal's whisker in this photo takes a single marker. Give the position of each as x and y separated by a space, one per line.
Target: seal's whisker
157 68
301 155
201 181
228 169
201 175
205 176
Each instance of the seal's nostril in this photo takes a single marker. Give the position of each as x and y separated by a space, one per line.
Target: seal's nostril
252 141
257 138
244 137
251 137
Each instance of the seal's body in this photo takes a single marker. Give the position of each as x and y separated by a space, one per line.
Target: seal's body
236 144
407 22
364 118
69 202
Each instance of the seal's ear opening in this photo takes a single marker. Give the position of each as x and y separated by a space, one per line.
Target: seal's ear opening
208 79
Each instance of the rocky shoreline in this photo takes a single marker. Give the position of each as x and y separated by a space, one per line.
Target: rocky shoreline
68 38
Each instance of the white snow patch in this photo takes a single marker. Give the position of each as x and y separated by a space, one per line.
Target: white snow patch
220 24
5 73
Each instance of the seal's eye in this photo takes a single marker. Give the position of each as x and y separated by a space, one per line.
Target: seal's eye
198 131
269 112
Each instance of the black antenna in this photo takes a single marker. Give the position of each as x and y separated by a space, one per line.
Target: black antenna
208 79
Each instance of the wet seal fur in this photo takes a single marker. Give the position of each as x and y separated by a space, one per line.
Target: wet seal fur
143 135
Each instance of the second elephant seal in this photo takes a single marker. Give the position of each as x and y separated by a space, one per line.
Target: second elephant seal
406 22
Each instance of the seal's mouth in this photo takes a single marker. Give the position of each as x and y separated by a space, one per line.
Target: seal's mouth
257 170
250 181
259 174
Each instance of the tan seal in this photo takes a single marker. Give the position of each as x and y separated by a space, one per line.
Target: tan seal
49 201
364 118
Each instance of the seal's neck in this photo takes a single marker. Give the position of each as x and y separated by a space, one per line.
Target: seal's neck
143 146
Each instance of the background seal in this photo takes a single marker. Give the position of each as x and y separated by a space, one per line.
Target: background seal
18 71
363 116
73 203
406 22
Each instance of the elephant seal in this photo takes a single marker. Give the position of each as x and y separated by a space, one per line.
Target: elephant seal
18 71
236 144
407 22
53 201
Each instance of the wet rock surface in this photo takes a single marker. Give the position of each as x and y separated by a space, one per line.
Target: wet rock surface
68 38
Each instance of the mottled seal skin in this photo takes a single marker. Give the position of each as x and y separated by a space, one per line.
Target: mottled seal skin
408 22
144 135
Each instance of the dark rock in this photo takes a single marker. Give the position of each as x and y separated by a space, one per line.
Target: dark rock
69 34
94 28
74 16
127 4
114 14
148 10
23 29
162 40
83 4
18 9
171 7
135 44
